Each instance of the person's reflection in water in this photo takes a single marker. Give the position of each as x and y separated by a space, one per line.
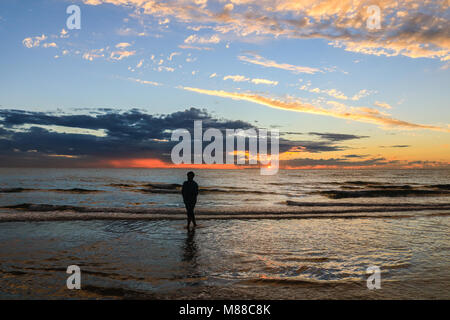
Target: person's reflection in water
190 255
190 248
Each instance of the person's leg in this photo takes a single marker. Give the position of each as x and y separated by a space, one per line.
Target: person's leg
188 215
193 215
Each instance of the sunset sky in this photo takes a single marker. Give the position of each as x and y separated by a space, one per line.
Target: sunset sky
341 94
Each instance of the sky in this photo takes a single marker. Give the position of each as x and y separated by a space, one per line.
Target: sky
343 93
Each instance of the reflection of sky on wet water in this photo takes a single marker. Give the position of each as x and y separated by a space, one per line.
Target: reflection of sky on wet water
162 256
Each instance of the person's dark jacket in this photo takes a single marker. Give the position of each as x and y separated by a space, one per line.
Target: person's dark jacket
190 192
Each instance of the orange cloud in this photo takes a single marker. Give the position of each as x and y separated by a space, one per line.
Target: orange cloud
383 105
119 55
412 28
356 114
256 59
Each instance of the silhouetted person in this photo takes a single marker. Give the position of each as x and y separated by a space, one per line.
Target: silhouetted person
190 192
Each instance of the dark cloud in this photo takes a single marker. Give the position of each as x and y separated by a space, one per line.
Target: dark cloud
337 136
345 162
28 139
359 156
129 134
308 146
397 146
133 124
340 162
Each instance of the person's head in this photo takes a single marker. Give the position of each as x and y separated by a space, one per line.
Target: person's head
190 175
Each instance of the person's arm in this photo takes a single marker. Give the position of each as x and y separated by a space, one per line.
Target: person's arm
183 190
196 189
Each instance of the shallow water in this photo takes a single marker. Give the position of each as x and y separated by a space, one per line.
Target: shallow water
234 189
287 258
230 257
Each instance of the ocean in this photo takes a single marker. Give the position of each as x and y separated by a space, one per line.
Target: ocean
300 234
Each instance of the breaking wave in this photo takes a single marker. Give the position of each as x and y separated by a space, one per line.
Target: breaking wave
72 190
371 189
386 192
293 210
